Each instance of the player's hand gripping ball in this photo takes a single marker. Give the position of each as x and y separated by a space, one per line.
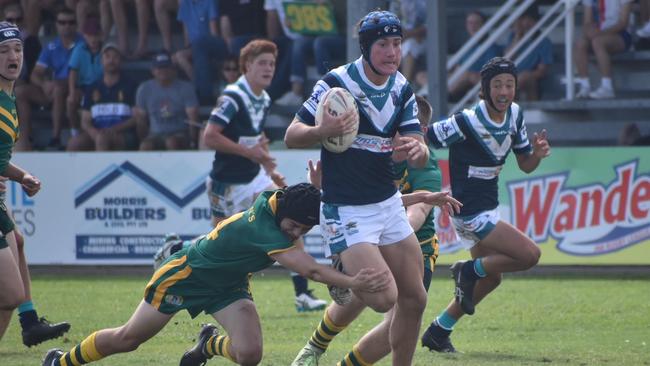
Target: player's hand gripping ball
339 101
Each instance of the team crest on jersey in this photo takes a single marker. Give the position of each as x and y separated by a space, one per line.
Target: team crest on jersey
222 104
394 97
174 300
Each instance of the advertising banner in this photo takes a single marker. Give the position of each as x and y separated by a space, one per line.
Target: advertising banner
582 205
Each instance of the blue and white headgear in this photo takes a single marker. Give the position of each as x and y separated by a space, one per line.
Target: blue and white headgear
9 32
374 26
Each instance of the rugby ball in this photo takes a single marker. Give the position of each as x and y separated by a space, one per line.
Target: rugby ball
340 100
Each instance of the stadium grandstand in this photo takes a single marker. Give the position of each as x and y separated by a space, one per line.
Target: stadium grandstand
570 120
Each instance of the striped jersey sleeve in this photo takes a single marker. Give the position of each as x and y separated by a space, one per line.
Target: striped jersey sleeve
446 132
520 143
225 110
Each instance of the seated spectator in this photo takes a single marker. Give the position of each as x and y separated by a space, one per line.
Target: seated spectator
85 68
296 49
631 136
162 106
143 13
604 31
329 50
13 13
413 14
106 119
241 22
37 9
277 29
535 66
644 31
49 81
229 71
473 22
204 45
162 9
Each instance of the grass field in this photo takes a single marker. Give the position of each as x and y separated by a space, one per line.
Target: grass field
528 321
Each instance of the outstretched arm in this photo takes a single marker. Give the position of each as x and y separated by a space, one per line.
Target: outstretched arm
368 279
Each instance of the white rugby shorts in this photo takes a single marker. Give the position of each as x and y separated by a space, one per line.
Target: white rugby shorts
473 229
227 198
380 223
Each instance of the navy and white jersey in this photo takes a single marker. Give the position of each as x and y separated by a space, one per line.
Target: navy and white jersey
242 115
363 174
478 148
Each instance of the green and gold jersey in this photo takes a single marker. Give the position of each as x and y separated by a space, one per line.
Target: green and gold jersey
8 128
239 245
427 178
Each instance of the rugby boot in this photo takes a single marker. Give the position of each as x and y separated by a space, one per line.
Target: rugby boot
52 357
196 356
464 287
340 295
308 356
308 302
172 243
42 331
437 339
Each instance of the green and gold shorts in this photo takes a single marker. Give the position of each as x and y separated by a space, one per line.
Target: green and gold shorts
174 287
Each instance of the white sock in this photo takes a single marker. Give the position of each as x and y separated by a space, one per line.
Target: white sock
606 83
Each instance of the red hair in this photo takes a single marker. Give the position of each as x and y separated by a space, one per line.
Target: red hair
253 49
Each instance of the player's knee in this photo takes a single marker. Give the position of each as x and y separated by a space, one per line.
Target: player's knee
11 299
532 256
415 301
383 302
126 342
249 356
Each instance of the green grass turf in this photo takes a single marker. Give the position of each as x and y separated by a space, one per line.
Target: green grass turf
527 321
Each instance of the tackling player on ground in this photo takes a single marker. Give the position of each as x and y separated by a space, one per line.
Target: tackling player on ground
212 276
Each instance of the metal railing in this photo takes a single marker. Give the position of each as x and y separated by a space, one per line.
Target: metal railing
565 8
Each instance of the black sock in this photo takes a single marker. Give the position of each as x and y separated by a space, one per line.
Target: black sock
438 331
299 284
28 318
469 272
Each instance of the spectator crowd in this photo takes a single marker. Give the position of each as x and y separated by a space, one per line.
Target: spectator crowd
76 51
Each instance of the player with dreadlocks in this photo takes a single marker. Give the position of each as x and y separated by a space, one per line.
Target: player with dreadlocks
479 140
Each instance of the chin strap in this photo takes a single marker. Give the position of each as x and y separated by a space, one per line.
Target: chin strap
372 67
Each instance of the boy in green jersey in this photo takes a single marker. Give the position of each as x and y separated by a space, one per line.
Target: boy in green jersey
14 274
213 276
